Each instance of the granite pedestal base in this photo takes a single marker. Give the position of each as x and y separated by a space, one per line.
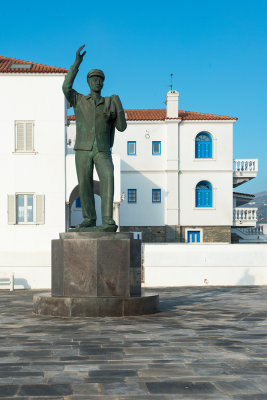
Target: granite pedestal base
45 304
95 274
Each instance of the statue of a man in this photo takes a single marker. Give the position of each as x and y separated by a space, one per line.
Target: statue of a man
96 120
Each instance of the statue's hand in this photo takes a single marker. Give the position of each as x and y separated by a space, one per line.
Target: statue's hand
79 56
115 98
109 109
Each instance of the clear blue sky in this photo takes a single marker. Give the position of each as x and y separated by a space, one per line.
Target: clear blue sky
217 52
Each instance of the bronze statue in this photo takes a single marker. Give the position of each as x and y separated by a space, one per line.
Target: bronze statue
96 120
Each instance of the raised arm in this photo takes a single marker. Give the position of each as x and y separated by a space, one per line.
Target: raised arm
70 93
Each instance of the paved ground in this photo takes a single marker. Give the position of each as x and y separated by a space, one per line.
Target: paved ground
206 343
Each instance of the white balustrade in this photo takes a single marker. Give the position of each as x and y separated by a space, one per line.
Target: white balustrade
243 216
252 230
245 165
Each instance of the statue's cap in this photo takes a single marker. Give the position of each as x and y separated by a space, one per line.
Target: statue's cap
96 72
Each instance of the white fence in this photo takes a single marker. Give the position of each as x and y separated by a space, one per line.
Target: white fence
245 165
244 216
204 264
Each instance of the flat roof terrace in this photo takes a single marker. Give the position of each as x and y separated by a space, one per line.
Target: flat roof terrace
206 343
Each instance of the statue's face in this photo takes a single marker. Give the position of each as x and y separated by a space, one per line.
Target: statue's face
95 83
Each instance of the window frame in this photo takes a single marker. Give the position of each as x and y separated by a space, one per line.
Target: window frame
211 146
153 152
38 211
193 230
131 142
159 191
211 196
135 196
24 151
25 222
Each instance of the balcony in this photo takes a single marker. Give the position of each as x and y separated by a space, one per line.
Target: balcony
245 216
256 234
244 170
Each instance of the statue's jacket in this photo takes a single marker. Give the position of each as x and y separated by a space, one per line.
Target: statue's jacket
94 121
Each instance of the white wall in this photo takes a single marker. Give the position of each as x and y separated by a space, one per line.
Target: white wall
143 212
169 265
218 171
143 172
221 213
205 264
143 133
176 171
38 98
222 142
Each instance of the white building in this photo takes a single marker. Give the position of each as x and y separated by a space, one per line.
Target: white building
174 170
177 175
32 161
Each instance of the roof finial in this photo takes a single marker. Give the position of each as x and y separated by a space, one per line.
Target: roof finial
171 82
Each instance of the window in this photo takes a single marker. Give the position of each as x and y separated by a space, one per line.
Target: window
156 148
204 194
78 203
131 148
203 145
193 236
26 208
24 136
156 195
131 195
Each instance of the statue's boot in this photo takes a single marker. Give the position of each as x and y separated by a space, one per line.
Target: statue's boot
87 223
108 225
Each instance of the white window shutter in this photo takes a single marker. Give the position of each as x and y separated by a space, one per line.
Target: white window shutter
29 136
11 209
39 209
20 146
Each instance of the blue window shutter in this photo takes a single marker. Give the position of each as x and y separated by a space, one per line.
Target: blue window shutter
156 148
156 195
204 194
131 148
203 145
131 195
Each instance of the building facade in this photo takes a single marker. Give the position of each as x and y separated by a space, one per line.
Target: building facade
177 175
174 172
32 161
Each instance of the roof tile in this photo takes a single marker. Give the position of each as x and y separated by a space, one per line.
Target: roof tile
6 62
160 115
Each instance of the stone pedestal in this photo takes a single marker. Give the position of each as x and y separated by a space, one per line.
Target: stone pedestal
95 274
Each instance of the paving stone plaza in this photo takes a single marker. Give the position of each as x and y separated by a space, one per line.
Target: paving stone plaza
206 343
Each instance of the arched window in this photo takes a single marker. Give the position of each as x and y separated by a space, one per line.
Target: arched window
204 194
203 145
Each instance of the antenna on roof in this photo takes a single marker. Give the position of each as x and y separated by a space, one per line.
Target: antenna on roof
171 82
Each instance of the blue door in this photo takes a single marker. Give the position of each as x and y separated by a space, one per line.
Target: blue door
193 236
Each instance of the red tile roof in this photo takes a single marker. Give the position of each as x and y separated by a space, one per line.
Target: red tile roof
6 62
160 115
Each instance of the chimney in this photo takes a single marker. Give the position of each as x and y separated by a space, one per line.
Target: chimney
172 104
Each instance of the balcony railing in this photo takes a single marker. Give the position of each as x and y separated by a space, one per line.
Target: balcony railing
245 216
252 230
245 165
